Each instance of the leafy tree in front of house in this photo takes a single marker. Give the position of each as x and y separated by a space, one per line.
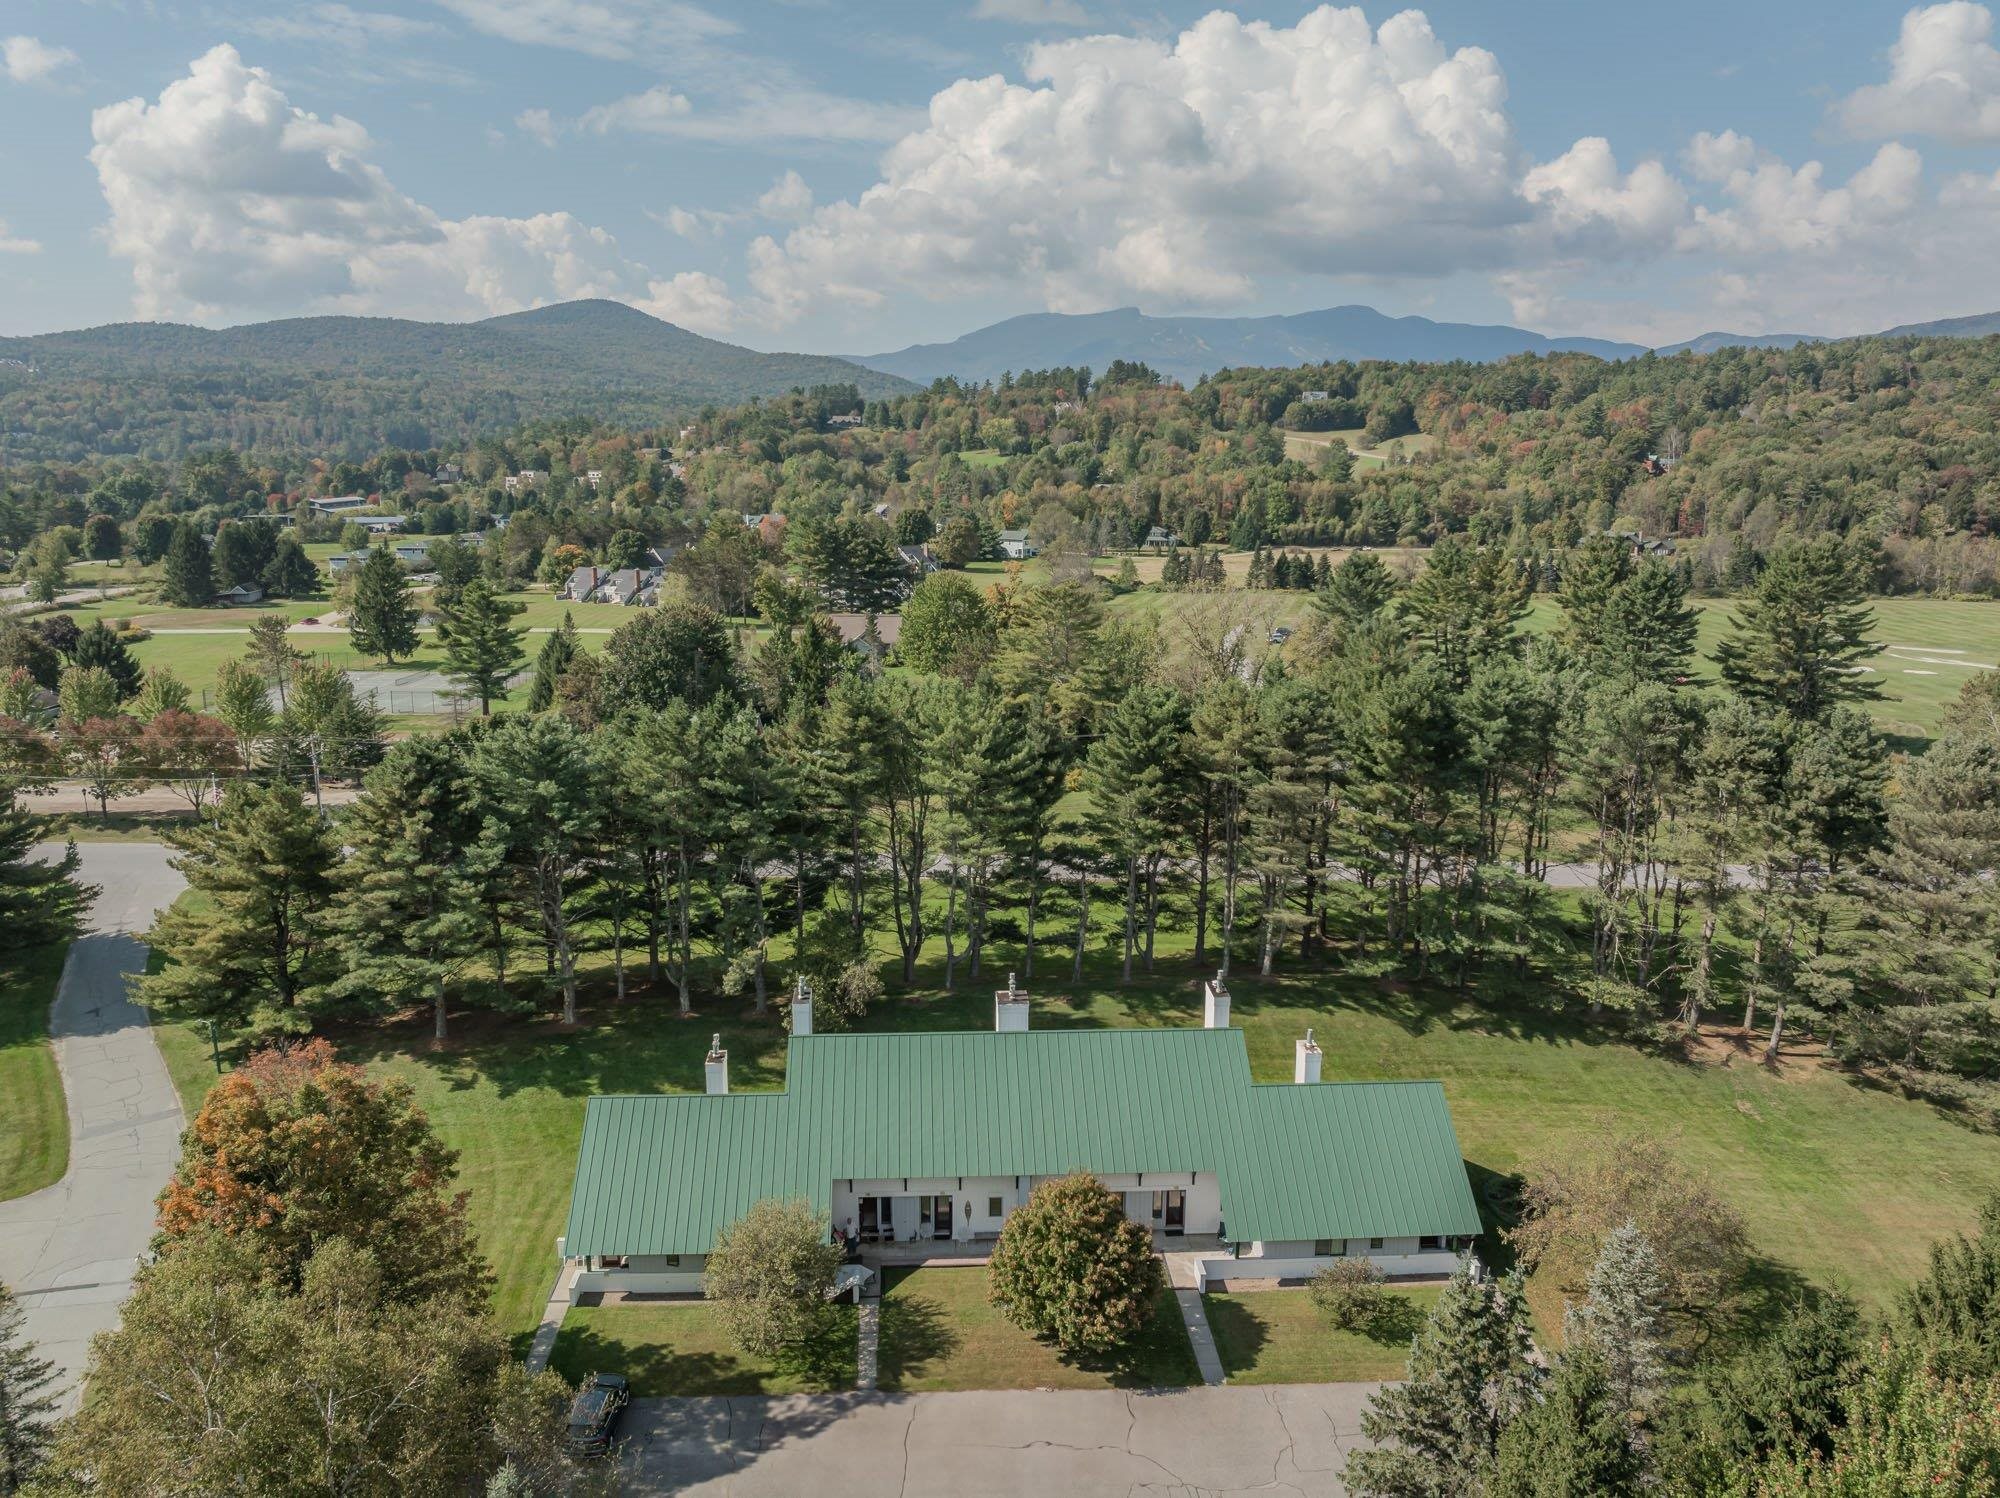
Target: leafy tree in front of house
676 650
27 1403
1072 1269
381 619
254 949
188 578
768 1276
1470 1376
482 649
296 1148
222 1378
102 647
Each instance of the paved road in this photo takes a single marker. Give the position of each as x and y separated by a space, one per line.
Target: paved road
69 1251
1283 1439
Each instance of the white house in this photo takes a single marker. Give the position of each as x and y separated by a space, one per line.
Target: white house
379 525
915 1139
1016 547
1312 397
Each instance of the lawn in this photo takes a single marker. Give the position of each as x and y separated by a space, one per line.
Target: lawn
939 1332
681 1348
1276 1337
1840 1185
34 1144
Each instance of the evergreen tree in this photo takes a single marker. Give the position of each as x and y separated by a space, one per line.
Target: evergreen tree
1648 627
543 799
1357 592
101 647
1465 605
482 650
1134 777
290 573
1469 1378
27 1403
553 660
381 619
254 949
1953 1310
1623 1321
1592 573
40 899
408 917
189 575
1572 1442
1799 638
272 652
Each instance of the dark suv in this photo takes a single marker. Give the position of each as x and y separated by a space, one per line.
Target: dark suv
593 1417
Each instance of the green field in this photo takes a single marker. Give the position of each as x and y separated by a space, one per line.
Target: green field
34 1143
940 1332
1839 1184
1277 1337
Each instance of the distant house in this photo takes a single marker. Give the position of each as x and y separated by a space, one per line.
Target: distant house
1016 547
845 419
412 553
340 561
1159 538
621 585
918 559
770 528
380 525
527 478
659 558
448 473
1312 397
594 478
872 635
342 505
241 594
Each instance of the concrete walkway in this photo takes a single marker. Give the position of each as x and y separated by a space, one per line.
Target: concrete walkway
559 1302
1184 1277
1285 1439
69 1251
868 1348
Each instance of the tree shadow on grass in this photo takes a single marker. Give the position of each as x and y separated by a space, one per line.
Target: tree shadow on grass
1159 1357
1240 1335
661 1368
915 1333
1394 1322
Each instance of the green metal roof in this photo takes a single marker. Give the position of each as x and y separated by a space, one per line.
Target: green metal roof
662 1175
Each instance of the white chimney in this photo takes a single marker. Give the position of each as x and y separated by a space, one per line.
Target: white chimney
802 1008
1215 1004
716 1069
1305 1060
1010 1008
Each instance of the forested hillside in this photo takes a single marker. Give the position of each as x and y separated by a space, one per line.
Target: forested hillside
349 386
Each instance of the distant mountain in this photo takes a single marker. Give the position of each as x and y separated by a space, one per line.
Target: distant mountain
1708 343
1980 325
1184 348
357 384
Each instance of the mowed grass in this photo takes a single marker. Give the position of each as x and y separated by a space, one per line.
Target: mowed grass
939 1331
1278 1337
34 1122
1839 1184
679 1348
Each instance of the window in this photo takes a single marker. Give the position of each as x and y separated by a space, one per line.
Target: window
1323 1247
1431 1243
1374 1242
614 1261
672 1261
993 1207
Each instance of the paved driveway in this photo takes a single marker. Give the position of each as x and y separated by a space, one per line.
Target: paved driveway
1284 1439
69 1251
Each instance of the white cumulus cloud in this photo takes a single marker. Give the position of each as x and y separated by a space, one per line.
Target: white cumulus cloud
28 59
1944 79
228 200
788 197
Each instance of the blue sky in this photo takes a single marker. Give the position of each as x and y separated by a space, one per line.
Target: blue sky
827 176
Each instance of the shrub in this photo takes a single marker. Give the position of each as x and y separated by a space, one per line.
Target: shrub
1071 1269
1348 1293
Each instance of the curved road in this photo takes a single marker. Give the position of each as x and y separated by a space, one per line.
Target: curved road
69 1251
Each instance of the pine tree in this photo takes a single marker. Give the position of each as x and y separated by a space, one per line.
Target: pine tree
252 951
189 580
272 652
1623 1320
100 646
27 1402
1572 1442
482 650
554 659
1135 776
40 900
1592 573
1469 1378
290 573
1799 637
1648 627
409 917
381 620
